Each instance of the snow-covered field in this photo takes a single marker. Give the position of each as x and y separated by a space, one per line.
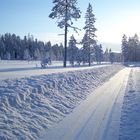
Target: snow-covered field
31 105
19 69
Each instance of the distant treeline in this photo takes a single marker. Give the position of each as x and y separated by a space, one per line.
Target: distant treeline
131 48
12 47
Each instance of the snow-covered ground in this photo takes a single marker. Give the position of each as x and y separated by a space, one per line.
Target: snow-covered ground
130 119
31 105
98 117
19 69
101 102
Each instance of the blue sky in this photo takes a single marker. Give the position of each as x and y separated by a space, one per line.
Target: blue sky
114 18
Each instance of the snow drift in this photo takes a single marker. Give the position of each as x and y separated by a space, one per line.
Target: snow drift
29 106
130 115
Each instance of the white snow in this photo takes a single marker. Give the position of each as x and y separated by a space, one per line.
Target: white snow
130 119
31 105
96 118
20 69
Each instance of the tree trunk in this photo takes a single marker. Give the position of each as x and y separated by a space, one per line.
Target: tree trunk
89 48
65 37
89 56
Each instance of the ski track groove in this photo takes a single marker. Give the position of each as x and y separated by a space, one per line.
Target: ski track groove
107 112
112 110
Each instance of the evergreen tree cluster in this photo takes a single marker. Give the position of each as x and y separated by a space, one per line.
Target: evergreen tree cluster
12 47
90 50
131 48
81 55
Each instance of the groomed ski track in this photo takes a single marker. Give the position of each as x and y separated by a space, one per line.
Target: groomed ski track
96 118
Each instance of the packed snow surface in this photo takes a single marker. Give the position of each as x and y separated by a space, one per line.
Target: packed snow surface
31 105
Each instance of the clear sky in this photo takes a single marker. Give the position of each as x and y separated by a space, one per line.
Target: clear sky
114 18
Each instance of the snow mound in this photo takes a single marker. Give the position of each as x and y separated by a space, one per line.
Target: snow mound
29 106
130 117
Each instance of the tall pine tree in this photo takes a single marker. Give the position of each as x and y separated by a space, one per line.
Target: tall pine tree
89 37
65 11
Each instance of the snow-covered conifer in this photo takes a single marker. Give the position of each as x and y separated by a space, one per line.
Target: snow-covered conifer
125 48
89 37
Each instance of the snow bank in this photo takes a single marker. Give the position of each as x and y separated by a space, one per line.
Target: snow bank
130 118
29 106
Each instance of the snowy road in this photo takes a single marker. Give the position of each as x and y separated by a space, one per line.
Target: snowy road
98 117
